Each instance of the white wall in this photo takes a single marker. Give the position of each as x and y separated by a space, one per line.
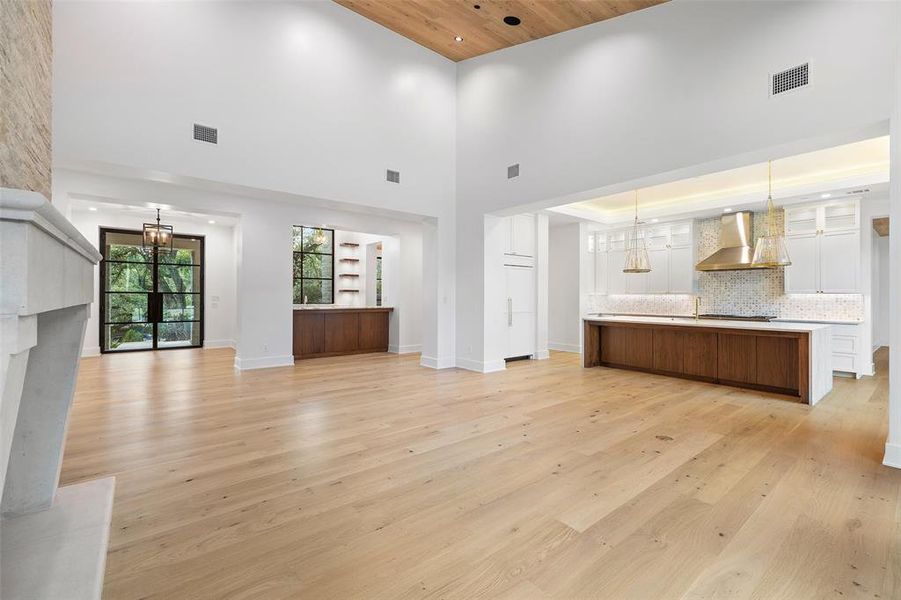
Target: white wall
219 274
657 95
881 273
893 443
309 98
564 320
313 103
264 259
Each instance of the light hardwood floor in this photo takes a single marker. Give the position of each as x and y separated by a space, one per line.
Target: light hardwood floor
370 477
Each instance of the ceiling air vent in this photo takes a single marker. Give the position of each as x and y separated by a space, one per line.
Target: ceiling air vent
790 79
393 176
203 133
513 171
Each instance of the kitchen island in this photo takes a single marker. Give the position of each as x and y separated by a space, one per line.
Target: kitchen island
787 358
331 330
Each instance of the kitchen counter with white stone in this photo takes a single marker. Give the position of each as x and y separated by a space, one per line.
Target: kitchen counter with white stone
774 325
339 307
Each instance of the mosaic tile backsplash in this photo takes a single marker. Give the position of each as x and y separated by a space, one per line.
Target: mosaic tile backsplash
735 292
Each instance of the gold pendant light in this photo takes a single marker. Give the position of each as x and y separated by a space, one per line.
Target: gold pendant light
637 260
770 250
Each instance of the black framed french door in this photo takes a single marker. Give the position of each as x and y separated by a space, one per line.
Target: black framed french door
150 299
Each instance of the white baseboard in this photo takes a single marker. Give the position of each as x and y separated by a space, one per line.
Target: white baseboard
408 349
542 355
267 362
490 366
218 343
437 363
577 349
90 351
892 455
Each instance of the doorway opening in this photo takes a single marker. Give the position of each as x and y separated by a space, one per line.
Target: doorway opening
150 299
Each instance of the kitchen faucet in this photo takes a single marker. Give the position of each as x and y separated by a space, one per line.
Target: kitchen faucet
697 307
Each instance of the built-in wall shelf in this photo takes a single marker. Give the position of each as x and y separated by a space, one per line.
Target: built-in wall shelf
349 291
351 260
349 245
349 275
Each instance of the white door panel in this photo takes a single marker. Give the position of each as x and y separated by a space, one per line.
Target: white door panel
839 262
616 279
658 279
681 271
801 277
521 340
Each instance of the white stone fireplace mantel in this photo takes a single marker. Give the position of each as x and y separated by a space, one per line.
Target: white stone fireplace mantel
53 541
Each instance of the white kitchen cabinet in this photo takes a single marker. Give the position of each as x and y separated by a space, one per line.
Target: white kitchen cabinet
616 279
671 254
839 262
519 235
658 279
636 283
600 263
823 242
846 349
801 277
681 270
519 312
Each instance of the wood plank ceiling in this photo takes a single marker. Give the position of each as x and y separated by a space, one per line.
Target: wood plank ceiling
436 23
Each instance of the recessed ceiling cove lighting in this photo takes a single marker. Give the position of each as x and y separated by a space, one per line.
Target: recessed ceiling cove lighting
825 195
459 38
512 21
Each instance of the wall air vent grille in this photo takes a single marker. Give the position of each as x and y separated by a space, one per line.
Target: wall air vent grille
203 133
513 171
791 79
393 176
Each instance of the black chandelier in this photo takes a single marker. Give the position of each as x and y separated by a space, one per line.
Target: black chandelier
157 236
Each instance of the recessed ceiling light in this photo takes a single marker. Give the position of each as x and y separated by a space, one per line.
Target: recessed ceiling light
655 220
92 209
459 38
512 21
211 222
825 195
727 210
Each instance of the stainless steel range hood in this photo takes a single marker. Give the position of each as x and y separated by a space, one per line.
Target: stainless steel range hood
737 245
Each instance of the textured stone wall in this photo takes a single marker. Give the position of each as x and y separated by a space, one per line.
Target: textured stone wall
26 52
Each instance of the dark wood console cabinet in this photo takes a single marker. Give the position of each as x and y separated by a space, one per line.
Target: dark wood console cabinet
337 331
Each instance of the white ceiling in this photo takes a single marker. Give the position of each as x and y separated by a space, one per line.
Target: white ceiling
795 179
148 211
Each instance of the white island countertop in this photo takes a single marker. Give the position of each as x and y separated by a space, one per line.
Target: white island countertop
339 307
796 327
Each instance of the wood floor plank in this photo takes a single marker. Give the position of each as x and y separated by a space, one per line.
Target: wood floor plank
372 477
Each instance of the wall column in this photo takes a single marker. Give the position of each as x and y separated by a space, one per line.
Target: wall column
893 443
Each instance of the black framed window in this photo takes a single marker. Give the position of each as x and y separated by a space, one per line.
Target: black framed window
314 265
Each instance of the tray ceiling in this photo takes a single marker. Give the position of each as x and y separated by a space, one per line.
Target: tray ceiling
436 23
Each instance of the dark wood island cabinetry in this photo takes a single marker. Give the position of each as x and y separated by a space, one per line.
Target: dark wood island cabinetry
335 331
769 356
